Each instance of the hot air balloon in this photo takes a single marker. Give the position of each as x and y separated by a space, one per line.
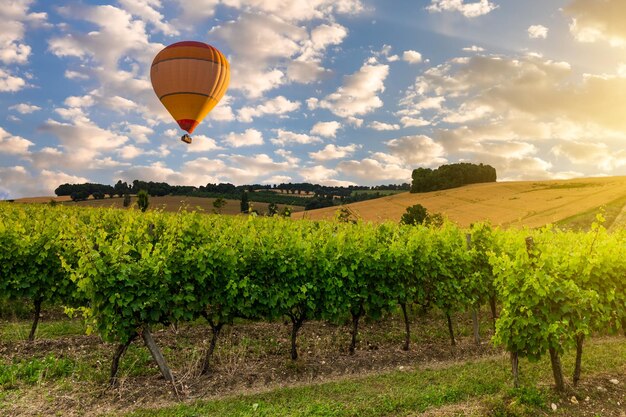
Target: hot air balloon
189 78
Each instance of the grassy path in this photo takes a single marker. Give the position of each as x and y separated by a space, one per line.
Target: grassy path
453 388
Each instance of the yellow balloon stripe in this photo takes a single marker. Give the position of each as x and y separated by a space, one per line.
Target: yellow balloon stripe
188 106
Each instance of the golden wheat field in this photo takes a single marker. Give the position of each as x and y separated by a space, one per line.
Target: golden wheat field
508 204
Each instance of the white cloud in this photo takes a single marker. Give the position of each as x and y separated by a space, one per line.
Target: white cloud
278 105
326 129
413 122
203 143
380 126
598 155
417 150
537 32
285 137
9 82
25 108
250 137
412 57
14 16
13 145
129 152
372 170
287 156
319 174
333 152
594 21
17 182
147 11
470 9
359 93
474 48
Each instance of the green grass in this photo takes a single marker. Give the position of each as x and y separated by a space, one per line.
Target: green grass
15 331
406 393
583 221
33 371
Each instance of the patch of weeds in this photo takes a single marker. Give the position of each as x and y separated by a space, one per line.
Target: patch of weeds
35 371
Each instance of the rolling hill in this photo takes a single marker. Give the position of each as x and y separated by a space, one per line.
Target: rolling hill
508 204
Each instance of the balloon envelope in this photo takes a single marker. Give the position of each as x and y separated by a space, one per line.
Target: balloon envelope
189 78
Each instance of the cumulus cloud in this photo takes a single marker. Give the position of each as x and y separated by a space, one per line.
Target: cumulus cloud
333 152
467 9
412 57
276 106
417 150
9 82
597 154
319 174
537 32
203 143
359 93
17 181
370 169
147 11
285 137
271 48
326 129
380 126
594 21
13 145
250 137
14 16
24 108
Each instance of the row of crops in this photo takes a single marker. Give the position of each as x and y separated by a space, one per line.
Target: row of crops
127 271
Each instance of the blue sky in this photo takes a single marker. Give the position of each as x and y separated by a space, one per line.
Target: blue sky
335 92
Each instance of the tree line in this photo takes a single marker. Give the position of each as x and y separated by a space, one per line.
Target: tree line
451 176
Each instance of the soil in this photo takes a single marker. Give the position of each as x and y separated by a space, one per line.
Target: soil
251 358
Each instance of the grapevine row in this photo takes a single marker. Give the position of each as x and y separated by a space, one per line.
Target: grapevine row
128 271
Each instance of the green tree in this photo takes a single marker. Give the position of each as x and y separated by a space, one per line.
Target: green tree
286 211
272 209
414 215
245 206
218 204
126 202
142 200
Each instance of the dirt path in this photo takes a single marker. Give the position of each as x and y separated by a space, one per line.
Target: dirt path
620 220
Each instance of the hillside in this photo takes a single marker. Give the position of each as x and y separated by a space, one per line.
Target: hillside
167 203
517 204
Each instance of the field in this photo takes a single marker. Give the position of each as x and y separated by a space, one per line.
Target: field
508 204
166 203
288 296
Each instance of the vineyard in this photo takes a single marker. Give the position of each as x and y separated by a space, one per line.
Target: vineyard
127 273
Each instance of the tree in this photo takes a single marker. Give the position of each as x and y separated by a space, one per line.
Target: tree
121 188
245 206
272 209
286 211
218 204
142 200
414 215
126 199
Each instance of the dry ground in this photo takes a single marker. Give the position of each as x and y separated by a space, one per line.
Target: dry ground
519 203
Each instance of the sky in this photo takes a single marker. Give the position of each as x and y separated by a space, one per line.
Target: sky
335 92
